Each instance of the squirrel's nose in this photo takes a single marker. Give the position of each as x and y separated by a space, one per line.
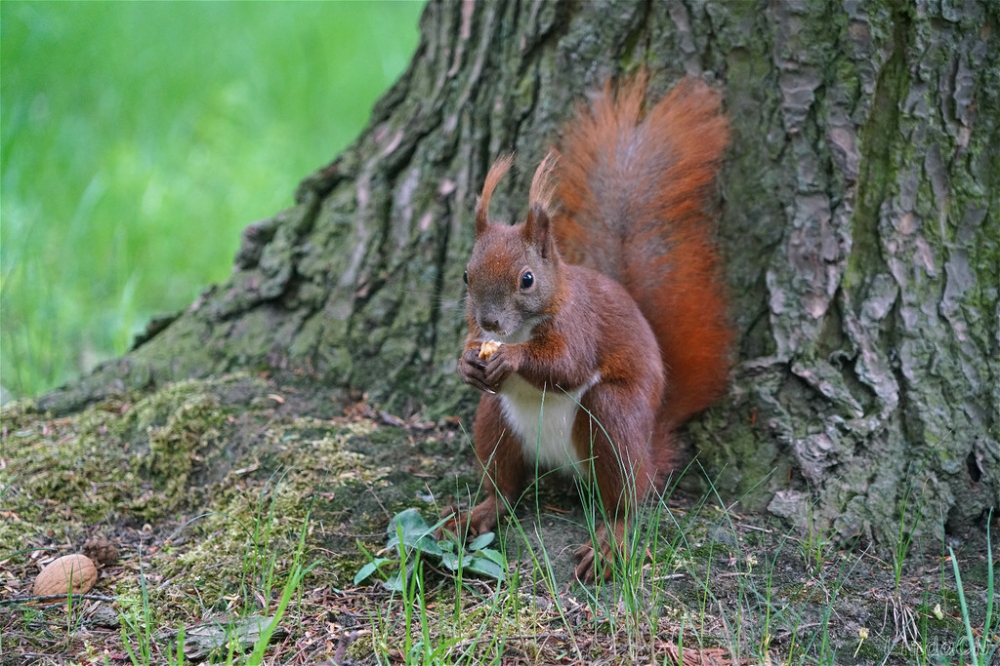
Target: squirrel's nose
491 324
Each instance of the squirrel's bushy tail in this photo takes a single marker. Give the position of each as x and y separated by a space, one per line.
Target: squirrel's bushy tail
634 185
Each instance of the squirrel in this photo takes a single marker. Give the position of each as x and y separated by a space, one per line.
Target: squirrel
604 311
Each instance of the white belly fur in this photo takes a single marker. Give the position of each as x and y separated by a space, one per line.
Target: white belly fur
544 429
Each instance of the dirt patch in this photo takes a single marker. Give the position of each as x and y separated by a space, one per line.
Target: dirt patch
216 492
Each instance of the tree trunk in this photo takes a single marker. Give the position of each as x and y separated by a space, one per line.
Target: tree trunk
860 227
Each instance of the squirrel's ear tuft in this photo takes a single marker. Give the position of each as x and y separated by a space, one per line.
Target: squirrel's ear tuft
543 184
493 176
538 225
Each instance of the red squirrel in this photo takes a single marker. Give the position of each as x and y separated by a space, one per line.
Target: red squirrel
607 304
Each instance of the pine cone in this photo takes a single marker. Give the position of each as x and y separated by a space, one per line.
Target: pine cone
100 549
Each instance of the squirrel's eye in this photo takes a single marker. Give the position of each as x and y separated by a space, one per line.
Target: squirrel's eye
527 280
465 277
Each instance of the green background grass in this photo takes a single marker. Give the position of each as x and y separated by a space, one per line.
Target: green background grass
138 139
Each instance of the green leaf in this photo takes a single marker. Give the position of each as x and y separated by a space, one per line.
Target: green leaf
416 534
429 545
484 567
395 582
410 521
482 541
366 571
450 560
494 556
409 530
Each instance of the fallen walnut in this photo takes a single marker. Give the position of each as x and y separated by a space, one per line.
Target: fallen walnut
488 348
69 574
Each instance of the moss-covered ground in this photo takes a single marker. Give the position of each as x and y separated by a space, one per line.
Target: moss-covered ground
216 491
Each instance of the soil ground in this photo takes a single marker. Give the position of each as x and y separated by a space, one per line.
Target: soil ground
213 492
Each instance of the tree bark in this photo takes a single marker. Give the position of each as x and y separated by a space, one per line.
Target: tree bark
859 225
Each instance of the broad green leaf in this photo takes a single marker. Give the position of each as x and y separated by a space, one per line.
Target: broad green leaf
484 567
493 555
450 560
370 568
482 541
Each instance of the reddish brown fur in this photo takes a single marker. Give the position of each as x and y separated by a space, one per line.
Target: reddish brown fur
604 333
633 190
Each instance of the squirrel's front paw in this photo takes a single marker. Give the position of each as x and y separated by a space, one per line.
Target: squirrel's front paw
472 370
503 361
